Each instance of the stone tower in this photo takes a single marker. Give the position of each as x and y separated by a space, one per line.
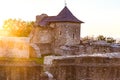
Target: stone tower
67 28
60 30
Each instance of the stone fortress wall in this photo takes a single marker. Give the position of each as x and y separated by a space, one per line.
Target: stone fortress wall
85 67
86 49
16 47
59 35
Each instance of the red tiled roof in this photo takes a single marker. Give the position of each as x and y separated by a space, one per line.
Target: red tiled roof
64 16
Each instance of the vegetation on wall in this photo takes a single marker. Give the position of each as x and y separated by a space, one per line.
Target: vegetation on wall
99 38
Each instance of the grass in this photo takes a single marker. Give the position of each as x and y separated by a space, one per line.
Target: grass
37 60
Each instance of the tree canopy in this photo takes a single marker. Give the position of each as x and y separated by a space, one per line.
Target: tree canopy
101 37
18 27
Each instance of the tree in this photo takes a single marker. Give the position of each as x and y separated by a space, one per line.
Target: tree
101 37
87 39
18 27
110 40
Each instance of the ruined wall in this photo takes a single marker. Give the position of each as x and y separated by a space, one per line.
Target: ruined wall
45 48
84 49
57 34
41 35
86 68
14 47
39 18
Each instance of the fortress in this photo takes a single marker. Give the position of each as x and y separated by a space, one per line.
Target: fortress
52 32
48 35
61 35
57 35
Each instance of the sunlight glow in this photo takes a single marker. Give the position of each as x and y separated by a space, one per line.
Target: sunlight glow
1 23
100 16
14 47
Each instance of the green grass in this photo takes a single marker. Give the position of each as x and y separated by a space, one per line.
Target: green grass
37 60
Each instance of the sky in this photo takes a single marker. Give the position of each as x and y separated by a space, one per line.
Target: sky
101 17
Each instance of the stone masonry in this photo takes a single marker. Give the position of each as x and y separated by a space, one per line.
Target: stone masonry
60 30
